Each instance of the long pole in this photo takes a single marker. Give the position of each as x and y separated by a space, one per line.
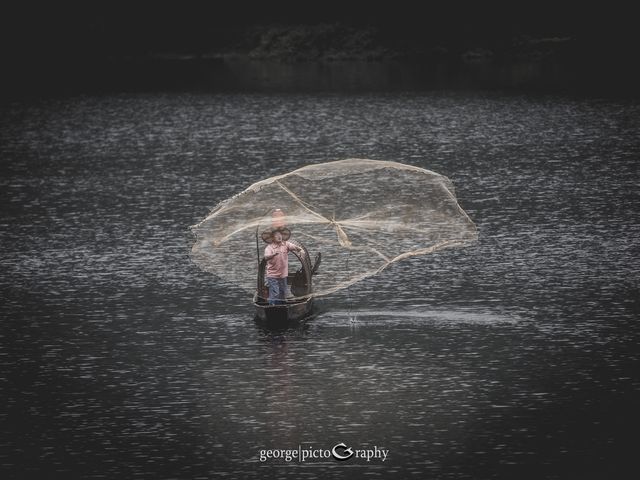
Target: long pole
258 246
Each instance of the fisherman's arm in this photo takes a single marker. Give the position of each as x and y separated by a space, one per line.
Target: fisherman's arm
268 256
291 246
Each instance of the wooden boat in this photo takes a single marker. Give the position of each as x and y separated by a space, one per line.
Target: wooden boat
283 316
296 308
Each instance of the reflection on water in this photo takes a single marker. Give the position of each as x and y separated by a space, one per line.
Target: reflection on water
515 358
423 316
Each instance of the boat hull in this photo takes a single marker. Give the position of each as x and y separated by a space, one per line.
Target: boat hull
283 316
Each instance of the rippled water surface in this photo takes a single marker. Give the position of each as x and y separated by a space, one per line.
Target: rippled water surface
514 358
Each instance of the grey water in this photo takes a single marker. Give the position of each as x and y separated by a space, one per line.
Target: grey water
516 357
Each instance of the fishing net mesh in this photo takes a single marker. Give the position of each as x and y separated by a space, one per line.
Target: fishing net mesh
362 215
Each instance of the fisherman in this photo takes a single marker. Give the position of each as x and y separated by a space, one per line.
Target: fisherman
277 256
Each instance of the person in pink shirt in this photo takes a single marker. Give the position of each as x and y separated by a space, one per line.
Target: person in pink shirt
277 256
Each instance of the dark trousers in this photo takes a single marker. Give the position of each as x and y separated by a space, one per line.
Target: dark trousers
277 290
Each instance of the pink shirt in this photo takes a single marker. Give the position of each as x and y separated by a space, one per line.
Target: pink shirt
278 266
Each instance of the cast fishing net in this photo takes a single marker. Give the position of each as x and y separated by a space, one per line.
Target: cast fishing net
362 215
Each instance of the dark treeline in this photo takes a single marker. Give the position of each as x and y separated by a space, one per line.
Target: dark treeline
78 37
85 28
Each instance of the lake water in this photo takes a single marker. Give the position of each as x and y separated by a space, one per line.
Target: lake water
517 357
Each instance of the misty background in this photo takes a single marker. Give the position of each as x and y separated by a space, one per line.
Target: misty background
209 46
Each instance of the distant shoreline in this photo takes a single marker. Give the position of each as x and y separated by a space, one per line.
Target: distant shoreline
336 59
228 73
